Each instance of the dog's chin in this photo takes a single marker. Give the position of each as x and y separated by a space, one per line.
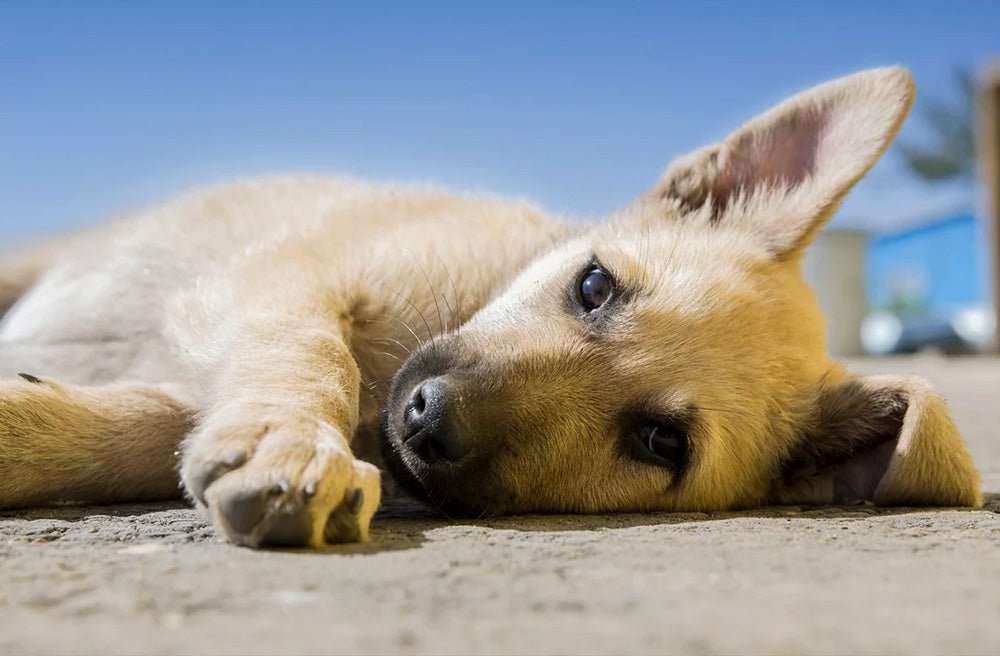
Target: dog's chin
397 468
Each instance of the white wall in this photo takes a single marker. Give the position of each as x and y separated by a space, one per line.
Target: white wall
834 266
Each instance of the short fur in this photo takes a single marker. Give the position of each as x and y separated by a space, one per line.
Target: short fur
256 326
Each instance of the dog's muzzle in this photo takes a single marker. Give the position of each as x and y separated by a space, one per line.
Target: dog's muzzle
433 441
431 425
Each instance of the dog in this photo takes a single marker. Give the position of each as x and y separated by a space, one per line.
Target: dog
273 343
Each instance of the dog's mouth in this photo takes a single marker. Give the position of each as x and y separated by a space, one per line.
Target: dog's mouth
453 475
395 464
406 471
453 490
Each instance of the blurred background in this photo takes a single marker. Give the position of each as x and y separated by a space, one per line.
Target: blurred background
578 105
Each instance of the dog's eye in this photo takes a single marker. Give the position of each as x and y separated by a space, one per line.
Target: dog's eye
595 288
665 441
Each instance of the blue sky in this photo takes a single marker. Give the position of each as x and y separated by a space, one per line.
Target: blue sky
579 105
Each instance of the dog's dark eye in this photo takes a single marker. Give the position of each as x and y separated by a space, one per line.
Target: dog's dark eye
595 289
658 438
665 441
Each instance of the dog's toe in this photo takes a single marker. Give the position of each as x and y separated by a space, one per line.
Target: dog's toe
292 527
275 515
199 475
300 486
258 514
242 510
349 521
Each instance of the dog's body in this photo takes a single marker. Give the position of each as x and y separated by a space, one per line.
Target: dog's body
259 324
157 298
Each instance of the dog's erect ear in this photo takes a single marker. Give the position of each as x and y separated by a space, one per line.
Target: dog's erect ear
883 439
782 175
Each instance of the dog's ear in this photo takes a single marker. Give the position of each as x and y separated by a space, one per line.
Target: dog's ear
883 439
782 175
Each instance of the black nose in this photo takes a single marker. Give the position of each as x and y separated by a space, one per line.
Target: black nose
430 429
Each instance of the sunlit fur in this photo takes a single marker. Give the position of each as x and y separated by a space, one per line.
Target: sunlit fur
267 319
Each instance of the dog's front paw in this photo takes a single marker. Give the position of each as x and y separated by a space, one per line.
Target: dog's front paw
284 481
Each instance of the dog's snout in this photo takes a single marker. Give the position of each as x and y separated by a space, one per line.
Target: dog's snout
430 429
415 414
425 411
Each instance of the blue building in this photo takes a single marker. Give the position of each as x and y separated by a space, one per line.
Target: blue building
933 269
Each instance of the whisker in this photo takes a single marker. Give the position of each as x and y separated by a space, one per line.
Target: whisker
390 340
451 313
375 383
458 300
396 358
430 288
420 342
368 387
430 332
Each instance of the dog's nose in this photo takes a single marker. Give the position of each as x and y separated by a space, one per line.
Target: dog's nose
430 429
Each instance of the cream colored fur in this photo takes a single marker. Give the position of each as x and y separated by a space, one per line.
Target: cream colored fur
262 322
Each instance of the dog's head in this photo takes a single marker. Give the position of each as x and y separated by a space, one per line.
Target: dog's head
673 358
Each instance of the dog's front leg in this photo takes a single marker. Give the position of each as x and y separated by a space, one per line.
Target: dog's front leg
271 459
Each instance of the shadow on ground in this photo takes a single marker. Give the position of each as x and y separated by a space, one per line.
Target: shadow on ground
403 511
399 525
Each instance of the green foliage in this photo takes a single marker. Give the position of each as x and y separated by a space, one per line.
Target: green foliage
951 151
907 296
905 307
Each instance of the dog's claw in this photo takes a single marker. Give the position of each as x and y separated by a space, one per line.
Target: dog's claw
32 379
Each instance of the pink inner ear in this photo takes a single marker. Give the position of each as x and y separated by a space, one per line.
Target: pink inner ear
783 153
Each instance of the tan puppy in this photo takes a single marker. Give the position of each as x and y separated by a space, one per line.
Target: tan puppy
670 357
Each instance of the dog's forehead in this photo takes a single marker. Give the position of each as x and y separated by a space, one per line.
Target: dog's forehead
675 269
534 280
678 270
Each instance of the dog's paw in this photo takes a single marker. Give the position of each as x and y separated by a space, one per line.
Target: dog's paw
286 481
